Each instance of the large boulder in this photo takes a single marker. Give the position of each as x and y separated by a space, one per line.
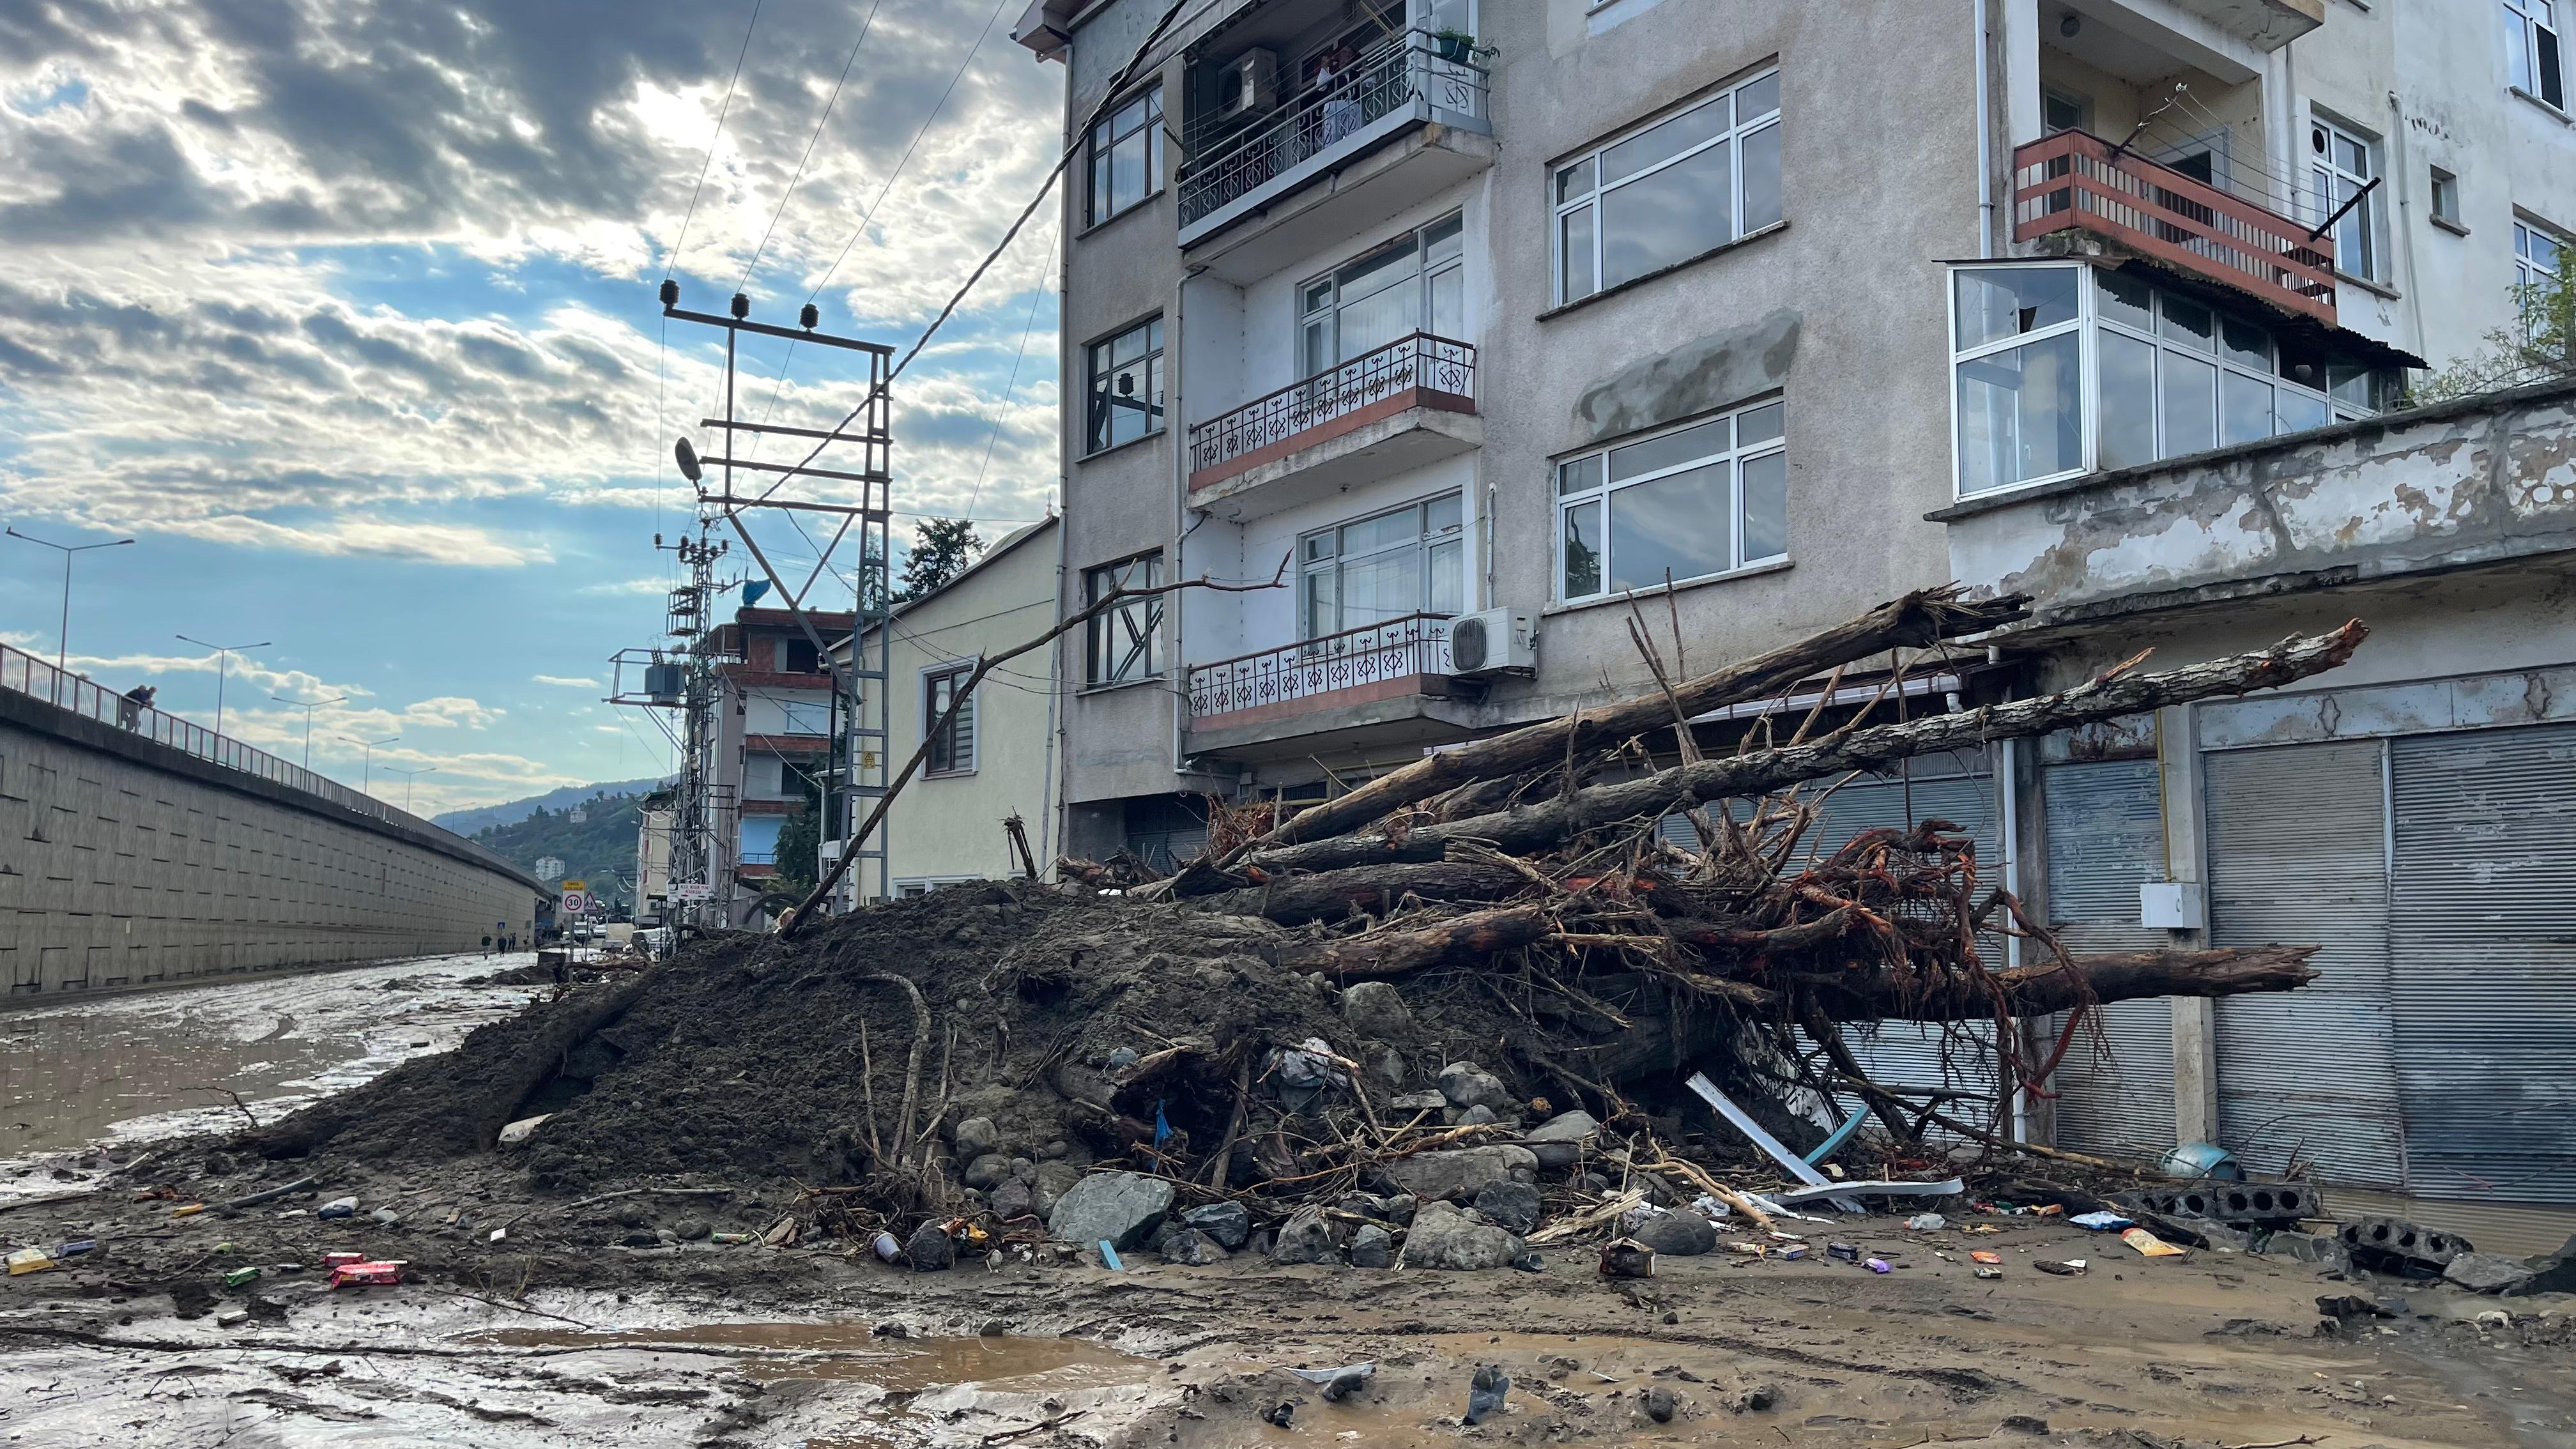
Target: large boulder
1226 1222
1458 1173
1466 1084
1191 1248
1444 1236
986 1170
2554 1272
1561 1140
1677 1234
1376 1009
1372 1247
977 1136
1306 1238
1052 1182
1012 1198
1514 1206
1122 1208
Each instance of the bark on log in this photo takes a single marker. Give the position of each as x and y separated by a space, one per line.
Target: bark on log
1528 829
1393 953
1924 617
1335 895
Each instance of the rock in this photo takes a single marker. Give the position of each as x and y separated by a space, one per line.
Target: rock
641 1238
1679 1234
983 1171
2326 1254
1122 1058
2023 1424
977 1136
1376 1009
1398 1209
1458 1173
1192 1249
1372 1247
691 1230
666 1237
630 1215
1054 1180
1306 1238
1466 1084
1479 1115
1518 1159
1561 1139
1417 1102
1122 1207
2495 1318
1012 1198
1259 1244
1486 1392
1513 1206
1659 1403
1054 1150
2489 1273
2554 1272
387 1217
1384 1062
1758 1399
929 1250
1593 1182
1445 1237
1226 1222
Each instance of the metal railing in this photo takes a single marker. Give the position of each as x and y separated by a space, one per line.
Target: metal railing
1395 649
2076 181
1392 76
25 674
1416 362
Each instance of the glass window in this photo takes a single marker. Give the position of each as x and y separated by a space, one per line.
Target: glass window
1409 560
1126 387
2244 408
2532 48
1416 283
952 738
1696 501
2127 424
2190 403
1670 191
1124 642
1127 156
2446 196
2000 302
2020 413
2341 166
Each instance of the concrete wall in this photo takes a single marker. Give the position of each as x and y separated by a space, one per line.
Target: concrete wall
124 863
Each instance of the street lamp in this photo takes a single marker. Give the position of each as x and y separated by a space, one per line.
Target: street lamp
62 635
368 779
308 706
224 665
408 777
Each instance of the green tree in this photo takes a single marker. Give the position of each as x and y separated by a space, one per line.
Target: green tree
945 549
2538 346
800 840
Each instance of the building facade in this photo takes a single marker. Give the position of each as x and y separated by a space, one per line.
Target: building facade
1471 323
775 721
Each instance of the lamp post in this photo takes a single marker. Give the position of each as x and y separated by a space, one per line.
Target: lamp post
62 635
223 666
308 706
408 777
367 780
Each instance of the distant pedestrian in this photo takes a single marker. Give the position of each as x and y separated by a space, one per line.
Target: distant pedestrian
487 945
131 704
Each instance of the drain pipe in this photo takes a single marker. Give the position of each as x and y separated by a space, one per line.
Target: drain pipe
1985 136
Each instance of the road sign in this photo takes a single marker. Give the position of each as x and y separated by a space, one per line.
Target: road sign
575 903
693 891
576 885
549 869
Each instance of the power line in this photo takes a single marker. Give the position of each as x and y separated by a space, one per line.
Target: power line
1004 406
672 263
801 162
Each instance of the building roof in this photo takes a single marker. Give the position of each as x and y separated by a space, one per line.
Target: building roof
1011 543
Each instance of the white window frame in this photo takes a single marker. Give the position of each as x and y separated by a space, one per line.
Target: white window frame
1143 570
2536 61
1561 205
2529 268
1598 496
1425 277
2445 200
815 715
968 724
1426 541
907 887
1099 201
2328 179
1100 364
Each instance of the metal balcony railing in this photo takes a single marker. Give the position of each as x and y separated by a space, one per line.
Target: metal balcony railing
1415 644
1443 371
1415 71
2076 181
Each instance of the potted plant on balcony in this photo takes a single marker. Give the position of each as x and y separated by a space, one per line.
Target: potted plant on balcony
1455 46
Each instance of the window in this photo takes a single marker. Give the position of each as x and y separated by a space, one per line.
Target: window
1127 156
2341 167
2539 259
1668 192
2064 111
1126 386
803 717
1124 643
1680 505
1415 284
2532 56
952 741
798 656
1409 560
2446 199
2058 372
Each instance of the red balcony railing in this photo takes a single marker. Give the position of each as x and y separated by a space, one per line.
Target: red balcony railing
2075 181
1390 657
1419 370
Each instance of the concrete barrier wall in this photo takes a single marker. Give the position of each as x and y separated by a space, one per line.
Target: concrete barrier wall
124 863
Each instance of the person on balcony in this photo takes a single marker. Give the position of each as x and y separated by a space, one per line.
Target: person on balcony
1337 83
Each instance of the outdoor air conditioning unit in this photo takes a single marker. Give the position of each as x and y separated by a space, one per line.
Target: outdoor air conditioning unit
1497 641
1250 84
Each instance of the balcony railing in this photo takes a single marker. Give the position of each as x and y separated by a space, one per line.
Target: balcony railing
1415 371
2075 181
1413 72
1414 645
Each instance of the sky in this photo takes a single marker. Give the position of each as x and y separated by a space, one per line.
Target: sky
344 311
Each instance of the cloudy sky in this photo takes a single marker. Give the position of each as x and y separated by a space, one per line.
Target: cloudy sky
344 310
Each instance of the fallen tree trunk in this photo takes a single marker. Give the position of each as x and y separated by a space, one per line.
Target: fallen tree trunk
2045 989
1528 829
1382 954
1922 618
1336 895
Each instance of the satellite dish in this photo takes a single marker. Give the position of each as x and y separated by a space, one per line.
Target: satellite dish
688 457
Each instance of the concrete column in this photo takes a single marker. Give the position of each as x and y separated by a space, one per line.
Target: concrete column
2195 1035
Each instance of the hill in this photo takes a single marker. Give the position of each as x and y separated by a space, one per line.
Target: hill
482 817
598 848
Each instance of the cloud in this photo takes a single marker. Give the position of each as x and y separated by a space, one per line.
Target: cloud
562 682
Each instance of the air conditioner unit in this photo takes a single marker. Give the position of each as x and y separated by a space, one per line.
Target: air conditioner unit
1250 84
1497 641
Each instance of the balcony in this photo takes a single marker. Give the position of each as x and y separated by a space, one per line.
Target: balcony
1376 683
1410 402
1408 96
2077 182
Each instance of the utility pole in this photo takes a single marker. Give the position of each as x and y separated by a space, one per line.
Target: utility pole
63 633
223 666
308 707
408 777
367 780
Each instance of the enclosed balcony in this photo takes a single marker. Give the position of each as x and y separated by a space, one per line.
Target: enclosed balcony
1359 686
1396 407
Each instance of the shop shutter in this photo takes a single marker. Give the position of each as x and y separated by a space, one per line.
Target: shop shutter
2298 855
2105 839
2483 934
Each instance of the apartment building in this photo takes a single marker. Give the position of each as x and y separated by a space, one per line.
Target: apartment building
1471 322
772 741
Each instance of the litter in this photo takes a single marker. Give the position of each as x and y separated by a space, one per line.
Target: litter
1329 1375
1877 1265
1985 1272
735 1240
338 1207
1627 1258
238 1276
1793 1253
1986 1257
367 1275
2151 1246
29 1260
75 1247
1798 1167
1842 1252
1836 1191
189 1210
342 1259
1109 1257
2100 1222
2071 1268
1927 1222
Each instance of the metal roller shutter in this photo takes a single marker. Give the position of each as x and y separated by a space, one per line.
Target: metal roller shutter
2483 930
2298 854
2106 838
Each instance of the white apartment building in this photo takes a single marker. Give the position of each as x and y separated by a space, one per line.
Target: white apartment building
1515 311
